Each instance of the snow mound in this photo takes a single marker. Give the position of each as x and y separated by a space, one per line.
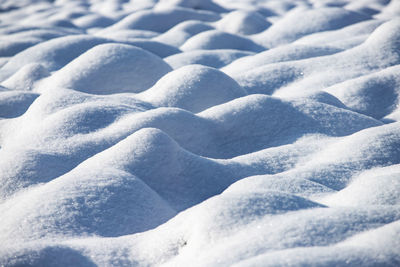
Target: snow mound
111 68
26 77
127 34
89 206
375 95
9 48
344 38
53 54
93 21
279 54
193 4
14 103
373 187
211 58
299 23
243 22
157 48
180 33
258 115
199 133
149 19
296 78
215 39
194 88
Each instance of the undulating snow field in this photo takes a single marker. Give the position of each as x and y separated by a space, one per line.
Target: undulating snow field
200 133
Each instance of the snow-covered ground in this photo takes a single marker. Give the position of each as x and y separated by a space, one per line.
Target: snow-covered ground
200 133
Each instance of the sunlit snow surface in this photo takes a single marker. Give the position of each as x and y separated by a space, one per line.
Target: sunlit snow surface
200 133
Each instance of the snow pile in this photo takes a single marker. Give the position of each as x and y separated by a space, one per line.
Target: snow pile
102 70
199 133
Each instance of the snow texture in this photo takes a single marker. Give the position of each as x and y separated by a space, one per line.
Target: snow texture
200 133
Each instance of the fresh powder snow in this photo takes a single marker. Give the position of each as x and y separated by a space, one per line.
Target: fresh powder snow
199 133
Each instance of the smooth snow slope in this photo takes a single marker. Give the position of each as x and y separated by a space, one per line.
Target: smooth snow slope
200 133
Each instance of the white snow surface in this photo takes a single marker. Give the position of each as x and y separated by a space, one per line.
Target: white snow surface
200 133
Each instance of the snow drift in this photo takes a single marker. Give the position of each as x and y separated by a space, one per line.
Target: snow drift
199 133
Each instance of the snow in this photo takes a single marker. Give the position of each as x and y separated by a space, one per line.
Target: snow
299 23
180 33
199 133
212 58
102 70
193 88
214 39
243 22
170 16
53 54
